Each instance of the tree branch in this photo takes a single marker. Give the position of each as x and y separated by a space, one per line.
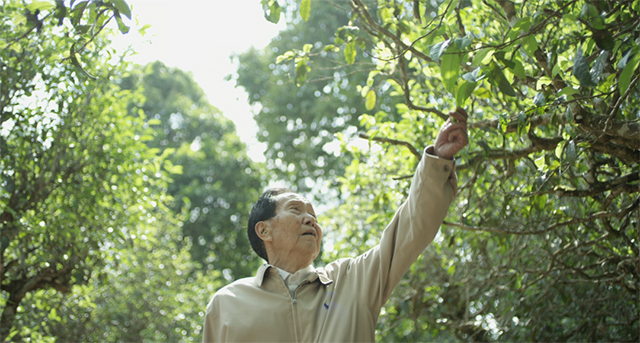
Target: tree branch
593 217
359 8
411 148
407 95
601 187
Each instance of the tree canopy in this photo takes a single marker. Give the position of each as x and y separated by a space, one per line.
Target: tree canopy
216 182
107 173
75 177
542 243
302 108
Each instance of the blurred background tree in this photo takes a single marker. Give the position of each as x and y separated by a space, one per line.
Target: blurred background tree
218 182
75 178
542 243
123 192
299 109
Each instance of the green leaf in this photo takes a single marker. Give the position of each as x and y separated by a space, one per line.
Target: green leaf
507 63
570 151
305 9
603 38
568 116
482 57
598 66
540 201
271 10
82 29
122 7
522 26
40 6
539 100
76 63
498 79
484 146
350 52
530 45
370 100
19 19
543 81
625 77
330 47
472 76
385 13
464 42
567 91
581 69
124 29
518 70
588 11
302 69
452 5
285 57
539 162
465 90
589 14
450 69
625 59
176 169
438 49
77 12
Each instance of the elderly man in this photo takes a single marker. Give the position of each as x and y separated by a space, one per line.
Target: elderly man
290 301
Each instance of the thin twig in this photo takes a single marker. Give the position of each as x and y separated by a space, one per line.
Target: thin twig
614 111
392 141
595 216
407 95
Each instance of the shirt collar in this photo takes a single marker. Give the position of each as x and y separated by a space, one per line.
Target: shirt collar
282 272
314 274
323 276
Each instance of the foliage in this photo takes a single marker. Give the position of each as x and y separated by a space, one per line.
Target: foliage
77 181
213 180
83 22
303 98
542 243
152 292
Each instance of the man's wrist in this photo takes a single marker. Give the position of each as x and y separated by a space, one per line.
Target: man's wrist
431 150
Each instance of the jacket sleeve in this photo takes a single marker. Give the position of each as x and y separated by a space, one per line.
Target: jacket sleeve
413 227
211 330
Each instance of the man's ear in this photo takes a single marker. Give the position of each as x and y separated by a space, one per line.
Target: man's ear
262 230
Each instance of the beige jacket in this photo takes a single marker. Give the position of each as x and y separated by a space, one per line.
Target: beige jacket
340 302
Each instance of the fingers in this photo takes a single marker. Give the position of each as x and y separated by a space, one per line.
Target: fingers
458 136
449 127
452 136
460 115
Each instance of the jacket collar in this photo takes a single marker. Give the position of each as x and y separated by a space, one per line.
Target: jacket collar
319 273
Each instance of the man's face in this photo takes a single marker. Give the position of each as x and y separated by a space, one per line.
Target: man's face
296 235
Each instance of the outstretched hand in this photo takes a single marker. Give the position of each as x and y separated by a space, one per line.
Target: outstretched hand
452 136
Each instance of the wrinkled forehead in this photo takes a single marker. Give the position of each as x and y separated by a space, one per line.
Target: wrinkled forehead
290 198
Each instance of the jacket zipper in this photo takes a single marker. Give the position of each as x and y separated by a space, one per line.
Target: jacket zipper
294 310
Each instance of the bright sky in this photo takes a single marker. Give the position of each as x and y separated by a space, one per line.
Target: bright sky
199 36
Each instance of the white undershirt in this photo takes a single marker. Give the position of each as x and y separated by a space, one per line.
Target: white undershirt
294 280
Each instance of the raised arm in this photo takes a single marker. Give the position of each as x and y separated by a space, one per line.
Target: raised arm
418 219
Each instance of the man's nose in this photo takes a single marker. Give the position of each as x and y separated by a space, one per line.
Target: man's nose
310 220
